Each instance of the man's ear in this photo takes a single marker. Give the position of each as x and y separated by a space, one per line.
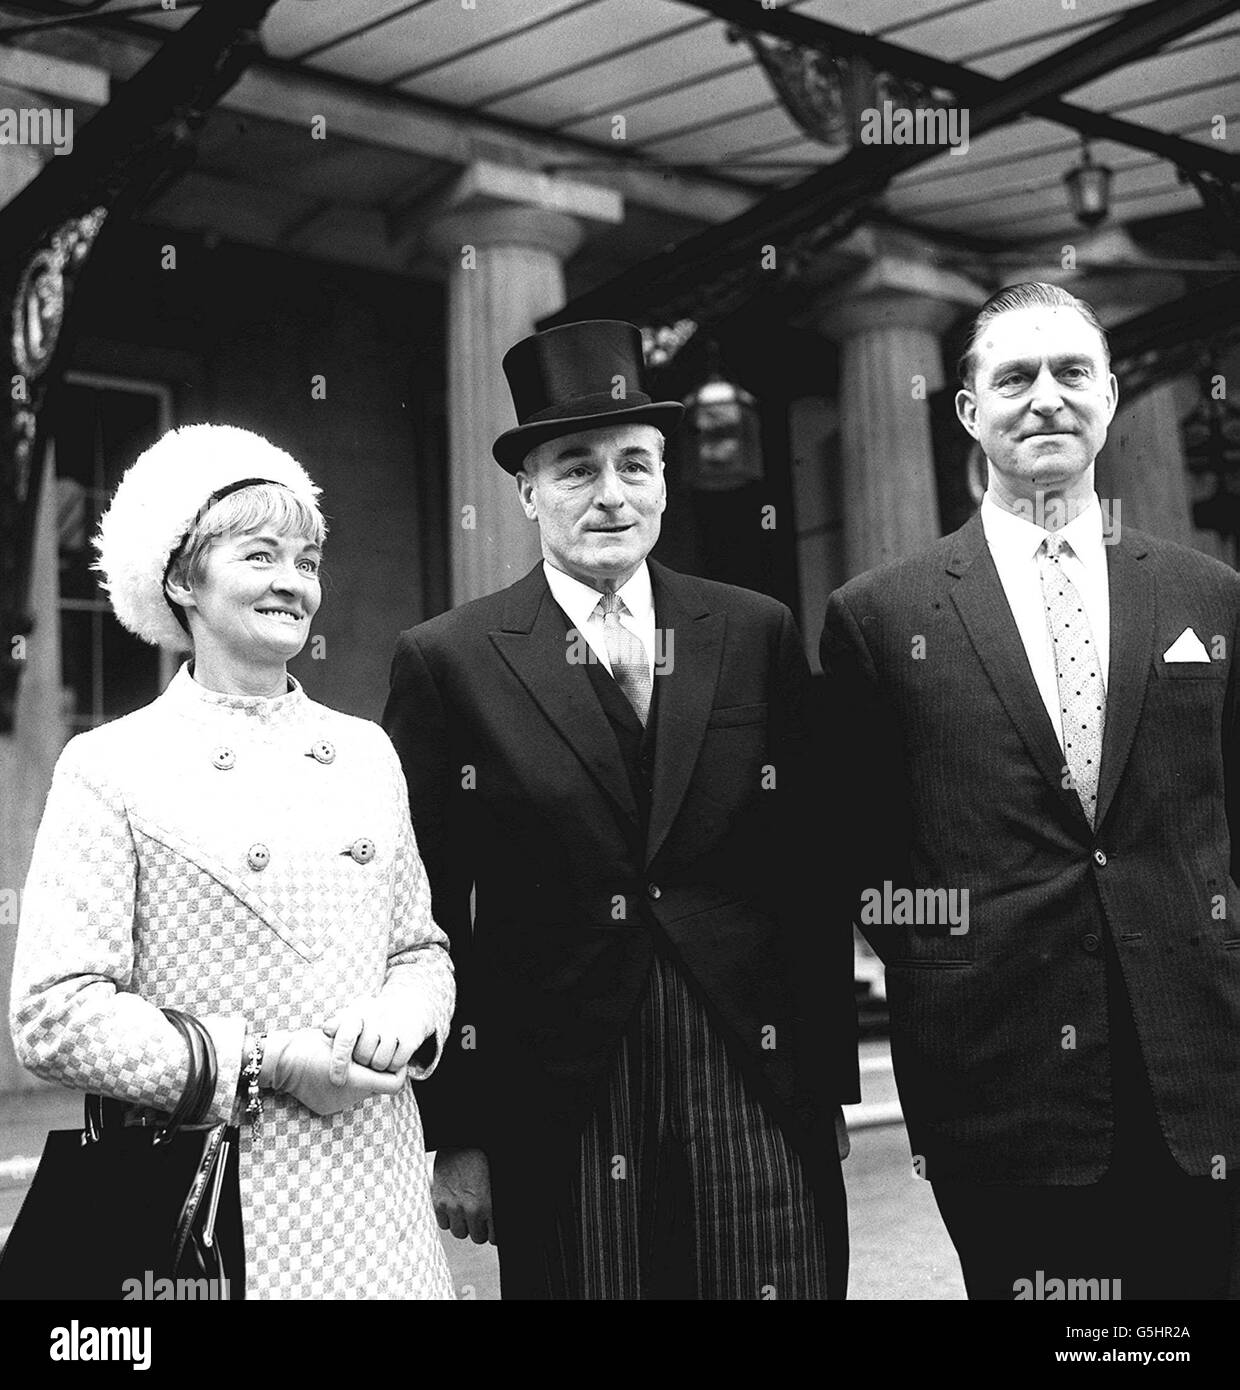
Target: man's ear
966 410
1114 385
525 494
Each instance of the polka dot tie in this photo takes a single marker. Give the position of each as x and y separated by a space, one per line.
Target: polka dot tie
1078 672
629 663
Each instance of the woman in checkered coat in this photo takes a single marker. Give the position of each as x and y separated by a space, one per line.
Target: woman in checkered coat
239 852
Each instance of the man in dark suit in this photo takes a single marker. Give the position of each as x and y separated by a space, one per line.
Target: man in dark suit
1039 720
655 1020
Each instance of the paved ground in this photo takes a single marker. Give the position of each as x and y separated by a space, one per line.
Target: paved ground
899 1247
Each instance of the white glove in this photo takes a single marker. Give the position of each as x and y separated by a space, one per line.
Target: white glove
381 1033
300 1064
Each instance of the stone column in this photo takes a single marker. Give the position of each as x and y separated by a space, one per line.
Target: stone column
505 234
1142 463
887 321
28 754
813 434
1143 466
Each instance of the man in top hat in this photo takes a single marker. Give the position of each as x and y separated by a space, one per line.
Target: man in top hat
656 1021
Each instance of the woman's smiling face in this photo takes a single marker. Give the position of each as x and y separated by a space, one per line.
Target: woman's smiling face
255 596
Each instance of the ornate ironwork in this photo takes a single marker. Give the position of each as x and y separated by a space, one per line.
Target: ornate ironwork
38 313
1221 200
38 310
40 303
827 93
661 342
692 278
123 157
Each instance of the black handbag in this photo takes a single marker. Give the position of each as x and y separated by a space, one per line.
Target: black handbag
134 1211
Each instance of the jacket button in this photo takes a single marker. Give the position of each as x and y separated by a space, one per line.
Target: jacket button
1100 858
363 850
323 752
224 758
1090 941
654 891
259 857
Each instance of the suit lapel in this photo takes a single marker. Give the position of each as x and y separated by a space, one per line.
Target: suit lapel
1132 603
692 649
987 617
531 639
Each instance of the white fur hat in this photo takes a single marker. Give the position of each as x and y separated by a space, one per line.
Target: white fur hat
156 505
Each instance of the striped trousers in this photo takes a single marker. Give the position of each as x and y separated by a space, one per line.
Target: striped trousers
684 1188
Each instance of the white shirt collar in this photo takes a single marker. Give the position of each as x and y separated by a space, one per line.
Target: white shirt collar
1021 537
579 600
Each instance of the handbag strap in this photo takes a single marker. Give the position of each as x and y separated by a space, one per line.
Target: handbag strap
208 1173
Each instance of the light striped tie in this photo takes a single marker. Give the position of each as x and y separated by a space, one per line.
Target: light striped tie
1078 672
629 663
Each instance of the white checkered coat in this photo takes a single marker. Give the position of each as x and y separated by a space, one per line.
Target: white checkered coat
198 854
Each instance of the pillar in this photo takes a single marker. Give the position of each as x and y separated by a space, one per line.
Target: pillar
505 234
1142 465
813 433
887 321
28 755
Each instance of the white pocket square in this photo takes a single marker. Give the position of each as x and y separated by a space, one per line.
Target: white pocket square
1186 647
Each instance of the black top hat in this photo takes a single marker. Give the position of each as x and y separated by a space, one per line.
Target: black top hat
579 376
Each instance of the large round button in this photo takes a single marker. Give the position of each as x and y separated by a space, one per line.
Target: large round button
224 758
1090 942
654 891
1100 858
323 752
259 857
363 850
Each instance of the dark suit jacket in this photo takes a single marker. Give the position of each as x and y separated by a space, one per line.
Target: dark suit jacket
518 790
1001 1035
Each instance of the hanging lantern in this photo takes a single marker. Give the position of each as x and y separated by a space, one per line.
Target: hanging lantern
1089 190
724 436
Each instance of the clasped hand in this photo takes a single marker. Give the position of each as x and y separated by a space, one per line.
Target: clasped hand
357 1054
302 1063
379 1033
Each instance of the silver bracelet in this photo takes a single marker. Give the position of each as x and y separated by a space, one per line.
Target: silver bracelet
254 1101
